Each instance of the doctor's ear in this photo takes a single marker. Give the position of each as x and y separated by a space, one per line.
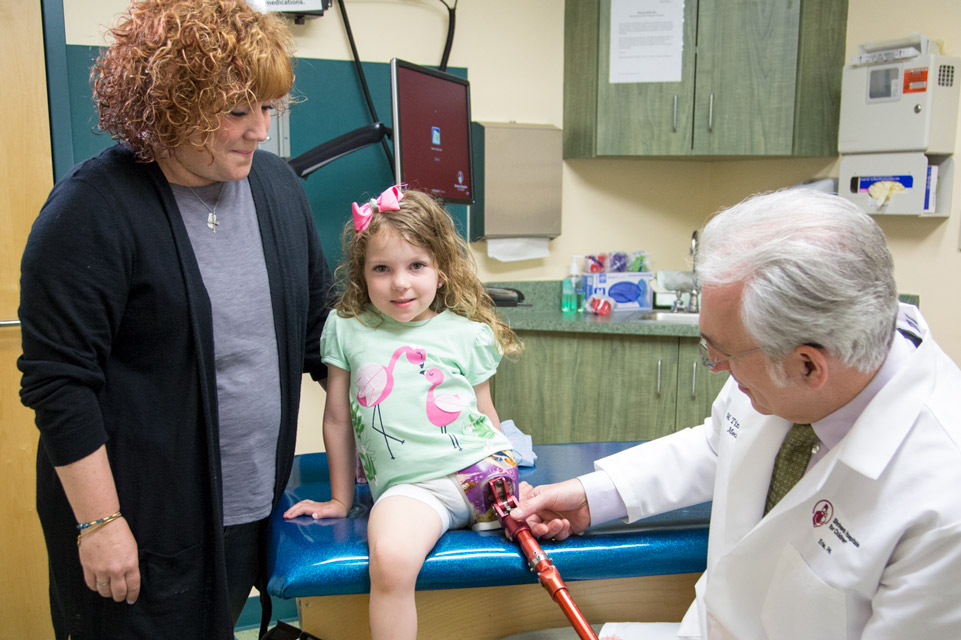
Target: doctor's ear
814 365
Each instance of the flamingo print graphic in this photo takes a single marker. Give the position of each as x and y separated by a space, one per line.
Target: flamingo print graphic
375 382
443 408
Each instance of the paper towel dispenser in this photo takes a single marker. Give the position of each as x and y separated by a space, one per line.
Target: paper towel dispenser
517 181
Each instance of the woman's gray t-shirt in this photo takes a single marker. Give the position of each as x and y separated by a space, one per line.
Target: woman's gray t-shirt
231 261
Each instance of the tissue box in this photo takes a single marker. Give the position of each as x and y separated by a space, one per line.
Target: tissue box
630 290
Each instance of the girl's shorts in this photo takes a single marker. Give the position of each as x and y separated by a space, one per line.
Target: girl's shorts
461 498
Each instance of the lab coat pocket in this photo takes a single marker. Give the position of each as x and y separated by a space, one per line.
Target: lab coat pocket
800 605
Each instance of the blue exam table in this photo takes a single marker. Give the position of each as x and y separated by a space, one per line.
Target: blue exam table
308 558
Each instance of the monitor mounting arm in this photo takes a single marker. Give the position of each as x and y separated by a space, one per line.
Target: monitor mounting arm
309 161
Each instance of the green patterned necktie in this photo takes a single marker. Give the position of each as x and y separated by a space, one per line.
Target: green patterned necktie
791 462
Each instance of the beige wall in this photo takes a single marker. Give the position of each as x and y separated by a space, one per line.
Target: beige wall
514 52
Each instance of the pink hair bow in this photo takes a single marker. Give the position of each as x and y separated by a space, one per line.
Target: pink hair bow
389 200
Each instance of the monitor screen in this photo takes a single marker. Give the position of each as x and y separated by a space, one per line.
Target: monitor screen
432 144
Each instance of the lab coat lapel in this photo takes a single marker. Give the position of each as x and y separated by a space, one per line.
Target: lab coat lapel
739 560
885 423
750 466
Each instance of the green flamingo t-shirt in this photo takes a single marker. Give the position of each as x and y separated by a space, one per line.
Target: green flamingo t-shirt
412 401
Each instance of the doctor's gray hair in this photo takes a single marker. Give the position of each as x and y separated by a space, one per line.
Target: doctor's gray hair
816 270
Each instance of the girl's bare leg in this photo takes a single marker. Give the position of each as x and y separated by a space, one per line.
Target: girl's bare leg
401 532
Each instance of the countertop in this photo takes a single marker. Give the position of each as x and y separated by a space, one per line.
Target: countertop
541 312
623 323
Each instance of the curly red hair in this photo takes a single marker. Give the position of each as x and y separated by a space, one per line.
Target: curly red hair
176 66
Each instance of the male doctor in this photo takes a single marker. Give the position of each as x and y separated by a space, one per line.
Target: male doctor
798 302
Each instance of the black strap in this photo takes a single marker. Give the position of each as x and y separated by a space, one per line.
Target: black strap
266 610
266 605
284 631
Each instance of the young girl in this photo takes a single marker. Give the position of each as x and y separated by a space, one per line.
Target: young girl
410 353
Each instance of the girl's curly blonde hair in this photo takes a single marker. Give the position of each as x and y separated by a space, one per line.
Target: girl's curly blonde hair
176 66
423 222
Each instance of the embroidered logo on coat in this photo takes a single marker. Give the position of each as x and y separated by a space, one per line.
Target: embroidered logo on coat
823 512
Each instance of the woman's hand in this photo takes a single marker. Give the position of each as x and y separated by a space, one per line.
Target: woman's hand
317 510
554 510
110 564
108 554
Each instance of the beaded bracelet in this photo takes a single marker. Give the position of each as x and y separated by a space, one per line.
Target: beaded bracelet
87 528
97 523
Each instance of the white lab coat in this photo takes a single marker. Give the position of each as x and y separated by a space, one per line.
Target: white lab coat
866 545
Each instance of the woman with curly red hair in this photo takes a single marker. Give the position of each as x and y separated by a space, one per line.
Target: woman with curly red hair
173 293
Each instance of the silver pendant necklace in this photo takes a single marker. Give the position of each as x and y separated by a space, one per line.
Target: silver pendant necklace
212 222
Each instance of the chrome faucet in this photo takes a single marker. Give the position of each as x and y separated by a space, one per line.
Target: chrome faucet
678 305
693 302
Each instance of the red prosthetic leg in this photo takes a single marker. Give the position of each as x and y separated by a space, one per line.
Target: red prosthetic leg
503 502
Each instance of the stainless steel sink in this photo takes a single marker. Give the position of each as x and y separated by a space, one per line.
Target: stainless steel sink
681 317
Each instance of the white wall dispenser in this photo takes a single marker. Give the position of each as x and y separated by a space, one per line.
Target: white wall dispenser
898 125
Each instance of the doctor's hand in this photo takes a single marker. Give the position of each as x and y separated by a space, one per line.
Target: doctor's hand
318 510
554 510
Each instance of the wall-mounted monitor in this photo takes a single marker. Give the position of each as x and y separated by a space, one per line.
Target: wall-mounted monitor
432 132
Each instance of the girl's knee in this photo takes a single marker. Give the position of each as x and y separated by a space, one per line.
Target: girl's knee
394 567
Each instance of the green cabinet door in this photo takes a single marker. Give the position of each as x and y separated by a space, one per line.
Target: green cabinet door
621 119
759 77
746 76
589 387
768 77
696 385
645 118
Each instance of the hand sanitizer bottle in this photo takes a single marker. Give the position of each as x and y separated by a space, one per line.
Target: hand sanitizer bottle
578 282
569 301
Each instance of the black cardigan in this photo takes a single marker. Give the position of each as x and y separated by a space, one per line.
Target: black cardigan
118 349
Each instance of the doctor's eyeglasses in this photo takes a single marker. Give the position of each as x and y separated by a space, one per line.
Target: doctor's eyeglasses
711 364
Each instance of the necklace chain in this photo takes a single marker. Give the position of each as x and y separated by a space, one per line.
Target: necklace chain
212 222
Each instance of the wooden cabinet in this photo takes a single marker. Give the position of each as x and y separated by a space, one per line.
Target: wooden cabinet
589 387
759 77
696 385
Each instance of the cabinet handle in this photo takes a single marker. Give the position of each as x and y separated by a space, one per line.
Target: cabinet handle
694 381
674 125
710 115
9 323
659 377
